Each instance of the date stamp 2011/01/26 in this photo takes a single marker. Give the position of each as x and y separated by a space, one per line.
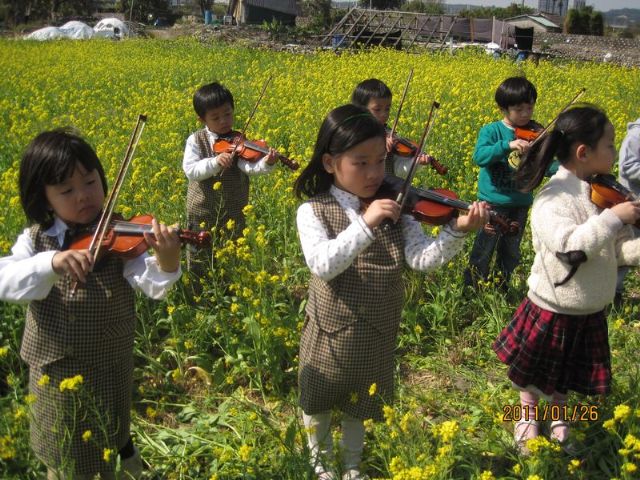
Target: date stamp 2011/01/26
554 413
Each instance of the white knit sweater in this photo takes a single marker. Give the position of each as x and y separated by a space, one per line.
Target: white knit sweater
563 219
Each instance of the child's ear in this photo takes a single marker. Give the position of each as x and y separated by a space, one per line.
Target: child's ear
581 152
328 163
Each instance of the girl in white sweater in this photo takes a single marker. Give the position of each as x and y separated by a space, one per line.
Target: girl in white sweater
557 340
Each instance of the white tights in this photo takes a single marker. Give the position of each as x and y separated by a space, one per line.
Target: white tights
321 444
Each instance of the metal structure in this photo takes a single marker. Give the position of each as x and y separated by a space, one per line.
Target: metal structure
396 29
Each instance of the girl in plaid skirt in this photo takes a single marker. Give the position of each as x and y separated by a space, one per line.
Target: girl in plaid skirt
557 340
356 291
79 346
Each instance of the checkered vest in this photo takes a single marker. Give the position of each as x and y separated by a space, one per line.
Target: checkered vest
96 325
371 289
217 207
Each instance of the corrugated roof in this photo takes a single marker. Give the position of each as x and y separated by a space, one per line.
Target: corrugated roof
536 18
284 6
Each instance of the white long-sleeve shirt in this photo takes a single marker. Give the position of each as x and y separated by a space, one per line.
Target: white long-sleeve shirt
197 168
563 219
327 258
26 275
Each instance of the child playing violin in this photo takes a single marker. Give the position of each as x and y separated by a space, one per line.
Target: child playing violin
516 97
375 96
356 290
218 183
89 332
557 340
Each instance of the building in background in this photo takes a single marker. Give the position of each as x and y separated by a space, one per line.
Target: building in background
554 7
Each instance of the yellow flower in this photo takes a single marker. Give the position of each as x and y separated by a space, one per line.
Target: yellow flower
244 452
621 412
448 430
231 223
354 397
574 466
247 209
372 389
86 436
629 467
217 185
44 380
609 424
71 383
234 308
151 412
389 414
171 309
30 399
487 475
107 453
4 351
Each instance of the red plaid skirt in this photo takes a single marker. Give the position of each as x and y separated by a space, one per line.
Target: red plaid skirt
556 352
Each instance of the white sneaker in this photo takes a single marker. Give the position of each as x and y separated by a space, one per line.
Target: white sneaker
353 474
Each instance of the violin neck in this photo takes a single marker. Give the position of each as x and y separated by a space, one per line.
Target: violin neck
139 229
443 199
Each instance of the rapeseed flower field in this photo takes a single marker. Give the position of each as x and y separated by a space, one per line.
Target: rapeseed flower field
216 374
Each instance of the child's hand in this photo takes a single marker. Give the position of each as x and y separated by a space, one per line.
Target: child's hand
225 160
390 143
271 157
628 212
76 263
424 159
519 145
477 217
381 209
166 243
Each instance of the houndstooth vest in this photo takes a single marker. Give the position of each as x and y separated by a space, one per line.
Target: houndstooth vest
95 325
217 207
371 289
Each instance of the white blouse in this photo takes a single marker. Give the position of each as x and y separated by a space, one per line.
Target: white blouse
197 168
327 258
26 275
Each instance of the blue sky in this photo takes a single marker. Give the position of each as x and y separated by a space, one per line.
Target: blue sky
602 5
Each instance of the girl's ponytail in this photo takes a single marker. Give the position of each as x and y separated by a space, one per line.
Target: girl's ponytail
536 162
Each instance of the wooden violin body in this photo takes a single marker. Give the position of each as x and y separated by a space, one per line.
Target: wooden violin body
125 238
438 206
407 148
529 133
606 192
249 151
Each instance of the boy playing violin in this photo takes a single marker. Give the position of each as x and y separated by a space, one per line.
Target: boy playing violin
375 96
218 183
516 97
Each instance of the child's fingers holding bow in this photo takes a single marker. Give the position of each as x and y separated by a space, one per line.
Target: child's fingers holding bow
166 243
75 263
271 157
381 209
477 217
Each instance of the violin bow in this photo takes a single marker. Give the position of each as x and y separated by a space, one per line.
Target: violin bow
107 211
402 195
255 107
404 95
553 122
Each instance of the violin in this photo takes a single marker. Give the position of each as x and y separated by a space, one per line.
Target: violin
407 148
239 146
125 239
438 206
606 192
530 132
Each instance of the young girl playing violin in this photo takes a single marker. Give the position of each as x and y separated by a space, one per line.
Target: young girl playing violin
557 340
516 97
375 96
89 332
356 291
218 183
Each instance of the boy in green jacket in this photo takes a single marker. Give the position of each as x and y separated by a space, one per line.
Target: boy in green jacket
497 154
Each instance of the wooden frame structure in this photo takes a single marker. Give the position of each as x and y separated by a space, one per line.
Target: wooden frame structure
364 27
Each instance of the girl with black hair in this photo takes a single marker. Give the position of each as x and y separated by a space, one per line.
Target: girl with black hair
356 291
86 336
557 340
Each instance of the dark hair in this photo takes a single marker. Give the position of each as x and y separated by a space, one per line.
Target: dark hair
210 96
368 89
342 129
50 159
514 91
583 124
